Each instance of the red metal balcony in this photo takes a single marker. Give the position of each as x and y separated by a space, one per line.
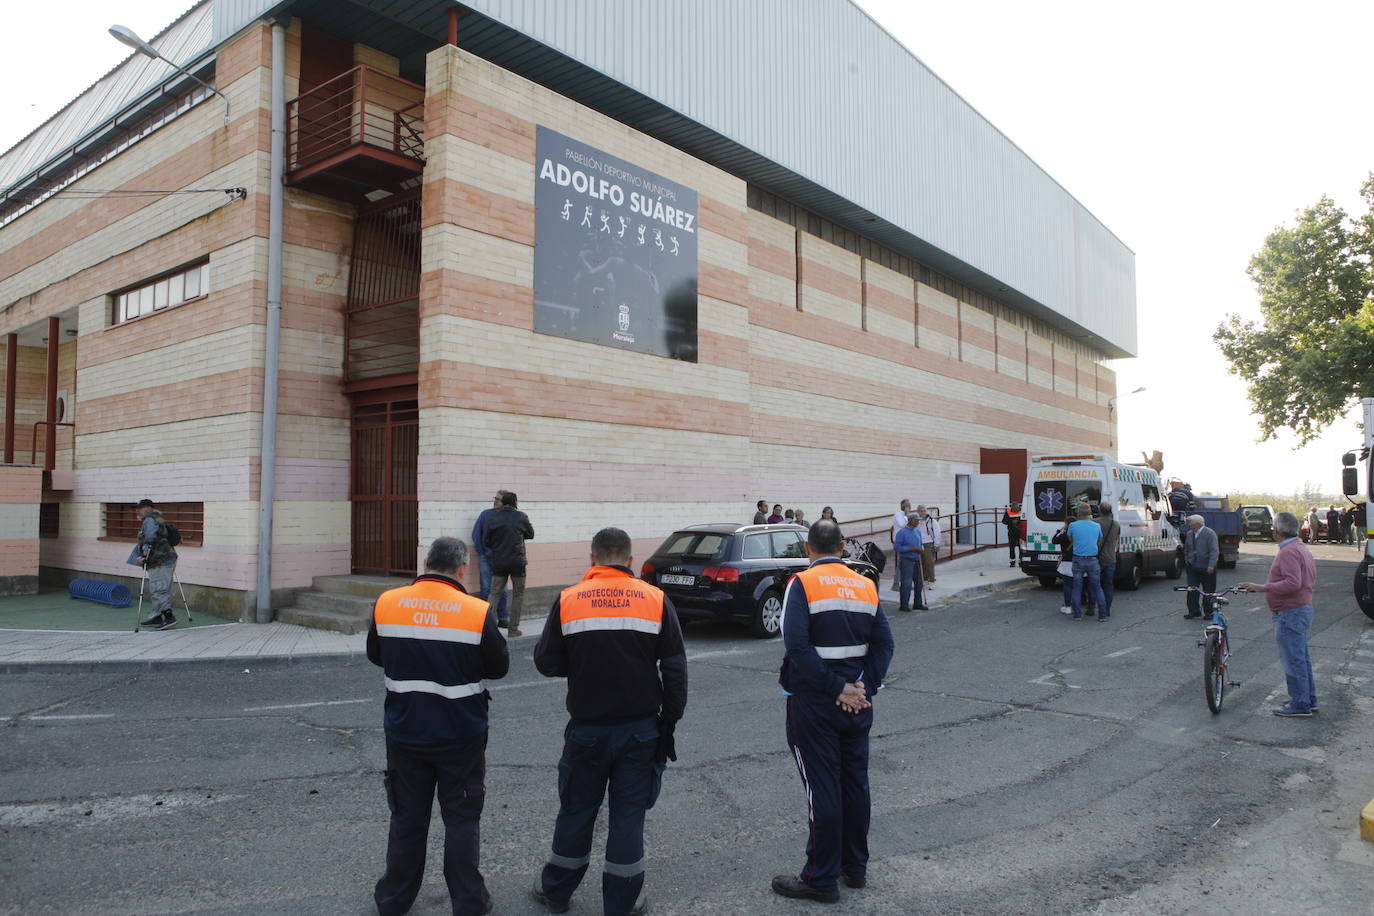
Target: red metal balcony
361 131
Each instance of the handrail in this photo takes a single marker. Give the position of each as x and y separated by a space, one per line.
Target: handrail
362 106
948 525
49 461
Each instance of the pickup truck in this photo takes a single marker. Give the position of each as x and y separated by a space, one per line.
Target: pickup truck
1227 525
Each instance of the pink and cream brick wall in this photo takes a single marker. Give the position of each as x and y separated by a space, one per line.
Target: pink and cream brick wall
866 386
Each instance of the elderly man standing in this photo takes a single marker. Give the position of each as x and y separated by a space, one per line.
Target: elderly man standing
898 523
155 553
1292 579
930 541
1200 552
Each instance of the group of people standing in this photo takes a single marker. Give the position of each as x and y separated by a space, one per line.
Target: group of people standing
915 547
781 516
1088 565
618 642
1343 526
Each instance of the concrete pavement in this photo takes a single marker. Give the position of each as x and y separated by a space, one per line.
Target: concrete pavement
281 643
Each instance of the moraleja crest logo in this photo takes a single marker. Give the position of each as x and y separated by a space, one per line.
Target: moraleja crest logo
624 318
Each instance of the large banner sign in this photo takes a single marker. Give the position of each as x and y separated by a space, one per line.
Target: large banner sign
615 251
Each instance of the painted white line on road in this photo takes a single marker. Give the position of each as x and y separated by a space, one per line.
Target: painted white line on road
716 653
542 683
1122 652
306 705
72 718
96 810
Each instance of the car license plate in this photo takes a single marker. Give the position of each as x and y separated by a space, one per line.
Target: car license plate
1049 556
677 580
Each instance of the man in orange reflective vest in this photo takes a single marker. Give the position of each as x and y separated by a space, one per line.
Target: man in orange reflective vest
839 646
1011 520
435 643
618 642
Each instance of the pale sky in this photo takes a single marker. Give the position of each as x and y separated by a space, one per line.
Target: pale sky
1191 129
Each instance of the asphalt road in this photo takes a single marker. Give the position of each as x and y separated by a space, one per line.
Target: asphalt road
1021 763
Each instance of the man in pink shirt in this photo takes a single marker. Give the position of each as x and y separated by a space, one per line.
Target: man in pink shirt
1292 578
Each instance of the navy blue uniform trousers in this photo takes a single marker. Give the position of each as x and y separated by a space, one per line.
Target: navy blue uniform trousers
413 773
830 747
618 755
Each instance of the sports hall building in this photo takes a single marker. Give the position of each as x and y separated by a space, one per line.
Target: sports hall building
643 263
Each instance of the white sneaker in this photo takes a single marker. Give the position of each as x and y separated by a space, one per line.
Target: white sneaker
1066 610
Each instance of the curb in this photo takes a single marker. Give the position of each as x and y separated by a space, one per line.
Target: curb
1367 823
987 588
140 666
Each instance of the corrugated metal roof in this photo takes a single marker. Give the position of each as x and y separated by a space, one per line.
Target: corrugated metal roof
184 41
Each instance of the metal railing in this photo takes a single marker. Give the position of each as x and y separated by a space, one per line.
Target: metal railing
49 459
359 107
960 533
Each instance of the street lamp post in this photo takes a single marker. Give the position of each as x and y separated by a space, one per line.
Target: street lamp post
125 35
1111 407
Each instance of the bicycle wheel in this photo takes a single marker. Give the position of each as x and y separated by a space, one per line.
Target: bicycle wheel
1213 673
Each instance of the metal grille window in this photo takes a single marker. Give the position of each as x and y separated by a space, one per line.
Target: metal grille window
122 521
164 292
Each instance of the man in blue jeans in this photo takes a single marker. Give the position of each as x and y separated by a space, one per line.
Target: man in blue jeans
1106 557
1292 579
907 547
1086 536
479 531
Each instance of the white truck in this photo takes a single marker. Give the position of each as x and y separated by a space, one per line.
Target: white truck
1056 485
1350 485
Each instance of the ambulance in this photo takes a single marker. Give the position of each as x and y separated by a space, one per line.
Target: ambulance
1056 485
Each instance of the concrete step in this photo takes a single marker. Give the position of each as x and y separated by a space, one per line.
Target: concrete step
352 605
361 586
321 619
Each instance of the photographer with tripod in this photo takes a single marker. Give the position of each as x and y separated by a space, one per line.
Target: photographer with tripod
155 553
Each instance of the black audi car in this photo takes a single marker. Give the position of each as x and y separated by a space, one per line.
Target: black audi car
737 572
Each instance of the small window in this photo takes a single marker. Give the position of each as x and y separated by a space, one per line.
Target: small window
160 293
756 547
787 545
1152 500
122 522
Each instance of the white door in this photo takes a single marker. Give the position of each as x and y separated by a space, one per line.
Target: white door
988 492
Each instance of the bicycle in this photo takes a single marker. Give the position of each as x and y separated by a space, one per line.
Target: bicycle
1216 647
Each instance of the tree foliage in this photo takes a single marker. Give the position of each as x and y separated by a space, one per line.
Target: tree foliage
1312 353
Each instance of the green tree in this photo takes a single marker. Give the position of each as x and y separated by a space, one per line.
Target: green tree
1312 353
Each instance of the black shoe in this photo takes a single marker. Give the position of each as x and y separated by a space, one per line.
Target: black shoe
1192 616
1103 618
537 892
488 904
167 622
854 881
797 889
1089 611
919 607
904 608
640 908
152 621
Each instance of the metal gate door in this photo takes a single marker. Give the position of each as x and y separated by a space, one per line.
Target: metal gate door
386 445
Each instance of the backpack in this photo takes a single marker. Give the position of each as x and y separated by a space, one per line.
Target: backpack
171 534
